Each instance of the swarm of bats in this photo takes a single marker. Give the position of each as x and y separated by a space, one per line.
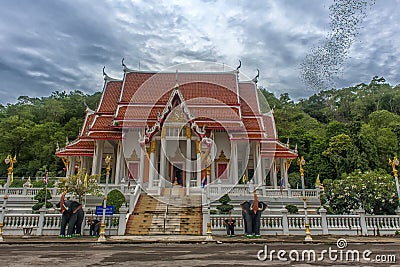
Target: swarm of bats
325 61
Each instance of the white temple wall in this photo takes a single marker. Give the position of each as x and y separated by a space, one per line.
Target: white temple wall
131 143
222 142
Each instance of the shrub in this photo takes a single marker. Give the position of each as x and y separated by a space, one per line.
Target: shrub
224 207
292 209
115 198
40 197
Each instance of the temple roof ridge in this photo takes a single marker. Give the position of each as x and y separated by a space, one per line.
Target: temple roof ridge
108 78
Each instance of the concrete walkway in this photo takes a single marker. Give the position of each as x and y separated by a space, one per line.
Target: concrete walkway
146 239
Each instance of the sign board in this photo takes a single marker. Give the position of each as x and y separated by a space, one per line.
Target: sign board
109 210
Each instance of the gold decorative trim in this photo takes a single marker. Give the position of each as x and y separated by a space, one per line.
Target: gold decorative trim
188 132
153 146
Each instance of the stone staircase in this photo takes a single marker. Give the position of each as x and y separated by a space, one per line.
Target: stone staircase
170 213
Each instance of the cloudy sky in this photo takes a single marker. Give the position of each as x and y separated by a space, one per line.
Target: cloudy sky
48 45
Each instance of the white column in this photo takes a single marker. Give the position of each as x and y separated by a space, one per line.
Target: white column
258 166
274 174
98 156
163 151
234 161
114 175
118 164
71 167
284 172
141 164
152 167
188 158
212 153
198 162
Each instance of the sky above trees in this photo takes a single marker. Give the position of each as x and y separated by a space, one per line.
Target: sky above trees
63 45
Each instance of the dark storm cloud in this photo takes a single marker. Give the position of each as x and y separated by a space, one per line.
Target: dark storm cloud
62 45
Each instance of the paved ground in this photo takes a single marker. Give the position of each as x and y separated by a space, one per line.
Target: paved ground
193 251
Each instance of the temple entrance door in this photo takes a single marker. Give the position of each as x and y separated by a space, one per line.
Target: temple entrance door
177 175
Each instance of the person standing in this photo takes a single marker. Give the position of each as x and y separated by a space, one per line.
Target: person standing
230 225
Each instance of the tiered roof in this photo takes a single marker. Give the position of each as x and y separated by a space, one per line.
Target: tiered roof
214 100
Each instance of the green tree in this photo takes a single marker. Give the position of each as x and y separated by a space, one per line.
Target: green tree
80 185
342 153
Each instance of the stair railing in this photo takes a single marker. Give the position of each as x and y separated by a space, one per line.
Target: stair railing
166 209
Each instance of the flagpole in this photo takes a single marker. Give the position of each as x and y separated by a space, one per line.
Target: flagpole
45 189
45 196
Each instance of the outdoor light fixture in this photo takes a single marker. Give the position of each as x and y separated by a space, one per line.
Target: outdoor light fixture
301 163
102 236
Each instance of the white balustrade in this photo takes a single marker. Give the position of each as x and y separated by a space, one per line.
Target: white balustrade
15 223
336 224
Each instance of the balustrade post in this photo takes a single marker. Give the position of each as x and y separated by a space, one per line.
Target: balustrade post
289 191
324 222
42 212
206 219
285 222
398 211
264 191
363 222
25 191
54 191
219 187
122 220
131 202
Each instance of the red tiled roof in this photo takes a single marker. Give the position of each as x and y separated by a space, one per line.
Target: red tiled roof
101 122
156 88
269 125
248 99
253 124
88 121
111 135
77 148
273 148
110 97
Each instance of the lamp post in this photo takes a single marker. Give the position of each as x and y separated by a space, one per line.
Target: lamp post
394 163
301 163
102 236
8 161
209 233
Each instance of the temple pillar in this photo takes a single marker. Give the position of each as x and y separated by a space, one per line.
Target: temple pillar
274 175
152 167
212 153
141 163
284 171
71 166
188 158
163 157
234 164
198 162
118 163
98 157
114 175
257 165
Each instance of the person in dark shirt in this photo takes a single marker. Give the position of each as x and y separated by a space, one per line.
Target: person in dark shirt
230 225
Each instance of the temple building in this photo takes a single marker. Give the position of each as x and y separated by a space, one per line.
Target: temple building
181 128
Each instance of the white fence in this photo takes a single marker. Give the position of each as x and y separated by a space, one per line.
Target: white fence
321 224
49 224
219 189
27 191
